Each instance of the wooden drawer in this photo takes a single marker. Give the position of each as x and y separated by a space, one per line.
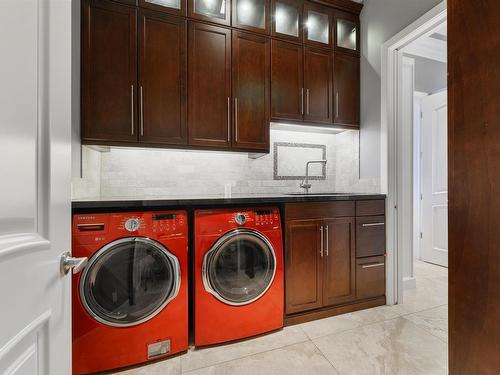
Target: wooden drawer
370 236
370 208
318 210
370 277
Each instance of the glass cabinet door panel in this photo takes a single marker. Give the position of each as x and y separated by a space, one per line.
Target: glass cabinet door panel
211 8
287 19
251 13
346 34
175 4
318 27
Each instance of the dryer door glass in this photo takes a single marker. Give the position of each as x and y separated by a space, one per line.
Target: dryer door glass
240 267
129 281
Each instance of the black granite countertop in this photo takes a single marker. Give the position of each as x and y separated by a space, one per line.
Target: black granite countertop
128 204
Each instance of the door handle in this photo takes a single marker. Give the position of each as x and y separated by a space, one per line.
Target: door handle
337 104
321 241
236 119
228 119
302 101
142 112
326 239
372 225
307 102
70 263
132 108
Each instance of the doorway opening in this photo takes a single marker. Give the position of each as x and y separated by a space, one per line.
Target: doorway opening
414 145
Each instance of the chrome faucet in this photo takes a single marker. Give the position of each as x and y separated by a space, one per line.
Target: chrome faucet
305 184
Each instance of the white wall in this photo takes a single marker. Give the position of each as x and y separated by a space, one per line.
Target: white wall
123 172
430 75
380 20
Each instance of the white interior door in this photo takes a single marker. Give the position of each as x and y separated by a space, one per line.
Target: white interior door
434 138
35 125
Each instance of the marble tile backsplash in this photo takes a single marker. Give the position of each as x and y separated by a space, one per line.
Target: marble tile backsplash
150 173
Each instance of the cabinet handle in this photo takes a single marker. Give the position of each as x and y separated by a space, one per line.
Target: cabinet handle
373 265
236 119
132 108
372 224
326 239
307 101
322 241
228 119
302 101
142 112
337 104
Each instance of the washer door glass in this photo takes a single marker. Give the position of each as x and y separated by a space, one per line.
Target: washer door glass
240 267
129 281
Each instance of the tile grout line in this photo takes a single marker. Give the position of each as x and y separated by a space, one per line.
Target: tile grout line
326 358
245 356
424 330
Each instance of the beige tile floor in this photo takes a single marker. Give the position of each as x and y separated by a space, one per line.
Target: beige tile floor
408 339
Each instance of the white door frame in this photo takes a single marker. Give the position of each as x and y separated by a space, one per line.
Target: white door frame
392 147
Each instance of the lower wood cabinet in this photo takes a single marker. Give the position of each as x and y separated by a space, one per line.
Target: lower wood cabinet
320 263
326 266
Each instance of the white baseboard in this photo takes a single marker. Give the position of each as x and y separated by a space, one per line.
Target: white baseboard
409 283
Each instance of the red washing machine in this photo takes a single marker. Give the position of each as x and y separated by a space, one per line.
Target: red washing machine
238 274
130 303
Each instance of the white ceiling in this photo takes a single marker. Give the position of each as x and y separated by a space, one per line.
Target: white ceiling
432 45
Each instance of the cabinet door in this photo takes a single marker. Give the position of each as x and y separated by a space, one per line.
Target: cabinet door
287 90
346 27
251 78
346 88
318 85
109 72
287 19
303 266
252 15
317 25
370 277
339 261
218 11
209 92
162 78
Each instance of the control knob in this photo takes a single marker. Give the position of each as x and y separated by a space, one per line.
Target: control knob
132 224
240 218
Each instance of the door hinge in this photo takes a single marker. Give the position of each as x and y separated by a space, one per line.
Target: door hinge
421 196
421 235
421 114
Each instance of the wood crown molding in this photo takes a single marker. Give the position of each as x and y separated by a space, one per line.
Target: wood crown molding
344 5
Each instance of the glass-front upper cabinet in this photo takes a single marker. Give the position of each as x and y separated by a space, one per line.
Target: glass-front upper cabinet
347 34
251 15
317 25
218 11
287 19
177 7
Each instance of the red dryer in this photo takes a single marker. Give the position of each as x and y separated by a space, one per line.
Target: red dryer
130 303
238 274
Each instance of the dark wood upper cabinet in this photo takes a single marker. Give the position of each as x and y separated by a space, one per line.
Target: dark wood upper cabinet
339 283
252 15
217 11
251 81
346 89
287 88
317 25
209 90
162 78
175 7
287 19
303 266
318 82
109 72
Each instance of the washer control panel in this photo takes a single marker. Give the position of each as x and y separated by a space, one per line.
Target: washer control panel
267 218
168 223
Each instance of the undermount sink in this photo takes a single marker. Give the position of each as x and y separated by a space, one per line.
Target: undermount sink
303 193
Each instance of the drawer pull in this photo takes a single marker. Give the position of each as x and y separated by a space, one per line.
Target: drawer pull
372 224
373 265
322 241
